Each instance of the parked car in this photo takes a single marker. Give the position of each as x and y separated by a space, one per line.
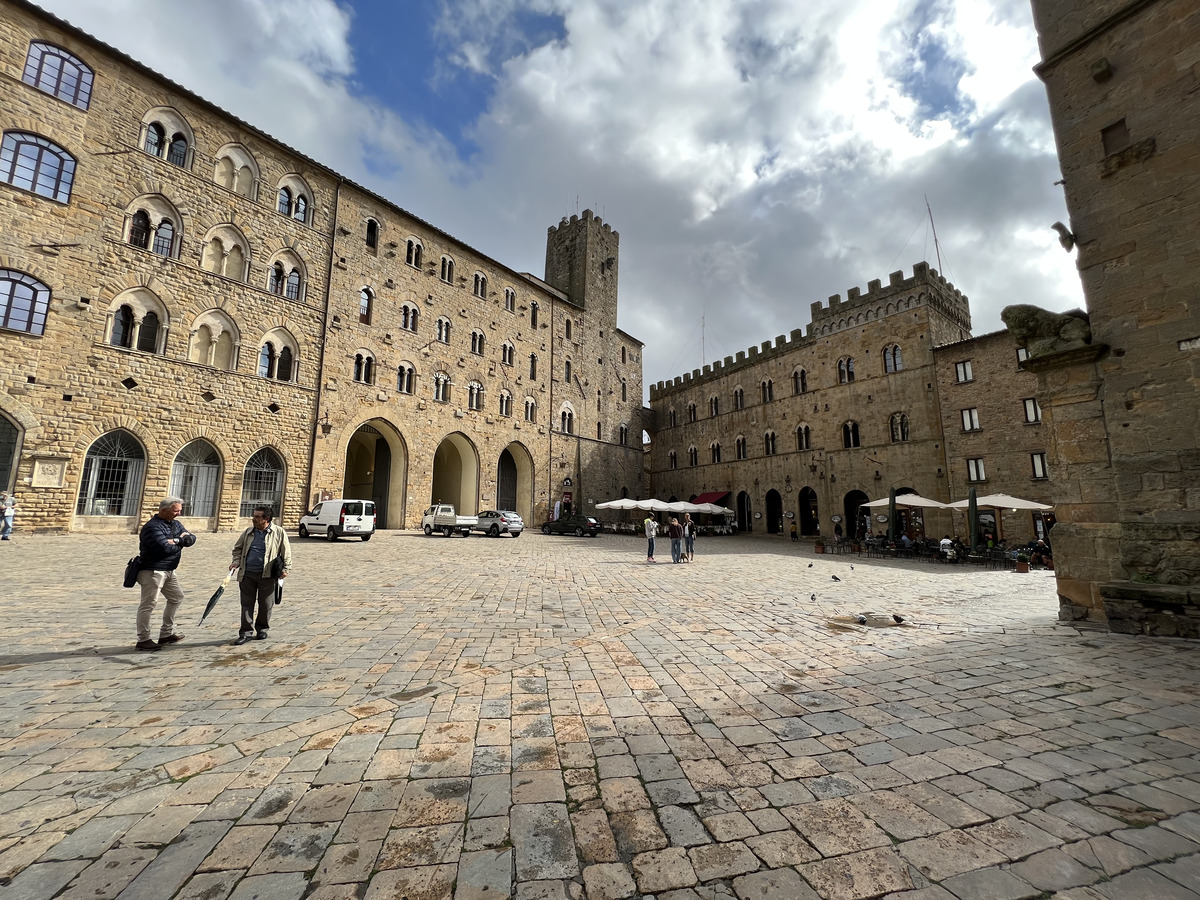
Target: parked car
496 522
340 517
576 524
442 517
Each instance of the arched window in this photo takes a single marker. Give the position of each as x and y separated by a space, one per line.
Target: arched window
35 164
441 387
623 434
739 398
177 151
799 382
196 477
24 302
364 368
507 354
850 435
714 406
477 342
533 315
769 443
892 361
567 371
122 328
300 213
148 333
474 395
372 234
284 366
275 279
693 456
267 358
715 450
139 229
405 376
292 287
803 438
691 411
567 327
567 418
164 238
283 201
899 428
365 299
443 330
262 483
113 471
480 286
412 253
622 356
155 139
739 448
530 409
768 391
57 72
447 273
673 460
672 419
624 391
510 299
505 404
532 366
845 370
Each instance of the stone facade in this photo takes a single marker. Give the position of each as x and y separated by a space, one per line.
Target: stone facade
1121 79
185 313
798 435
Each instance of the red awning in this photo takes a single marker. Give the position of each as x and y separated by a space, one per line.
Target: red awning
711 497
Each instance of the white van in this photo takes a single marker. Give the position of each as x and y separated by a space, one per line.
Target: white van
340 517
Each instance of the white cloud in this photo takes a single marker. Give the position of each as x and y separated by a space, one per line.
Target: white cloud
756 155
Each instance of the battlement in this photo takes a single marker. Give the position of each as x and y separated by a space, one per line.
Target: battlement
587 216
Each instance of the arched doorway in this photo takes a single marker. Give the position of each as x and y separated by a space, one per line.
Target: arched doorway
377 469
113 472
10 437
744 522
809 517
196 479
856 522
456 474
774 512
514 481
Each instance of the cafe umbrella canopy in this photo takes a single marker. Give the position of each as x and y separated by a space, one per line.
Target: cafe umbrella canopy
912 501
999 502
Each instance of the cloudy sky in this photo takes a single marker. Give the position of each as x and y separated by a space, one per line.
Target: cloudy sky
755 155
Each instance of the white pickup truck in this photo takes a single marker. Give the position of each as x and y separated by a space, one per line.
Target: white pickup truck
442 517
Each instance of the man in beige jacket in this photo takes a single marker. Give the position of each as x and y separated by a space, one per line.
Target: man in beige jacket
263 557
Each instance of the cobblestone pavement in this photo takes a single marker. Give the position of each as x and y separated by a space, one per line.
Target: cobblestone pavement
551 718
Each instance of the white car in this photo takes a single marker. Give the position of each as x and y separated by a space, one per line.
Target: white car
340 517
496 522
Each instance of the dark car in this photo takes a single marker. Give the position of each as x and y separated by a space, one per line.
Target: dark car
577 525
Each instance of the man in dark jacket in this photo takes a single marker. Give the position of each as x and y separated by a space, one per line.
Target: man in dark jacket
161 543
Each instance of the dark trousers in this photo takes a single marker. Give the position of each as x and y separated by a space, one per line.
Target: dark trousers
261 588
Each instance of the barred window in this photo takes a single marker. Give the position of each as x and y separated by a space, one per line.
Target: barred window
164 238
139 229
59 73
196 478
113 472
262 483
35 164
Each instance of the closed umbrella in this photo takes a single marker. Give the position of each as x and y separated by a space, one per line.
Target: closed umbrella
972 519
212 601
892 515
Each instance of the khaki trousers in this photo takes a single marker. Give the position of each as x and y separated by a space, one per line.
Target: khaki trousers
152 584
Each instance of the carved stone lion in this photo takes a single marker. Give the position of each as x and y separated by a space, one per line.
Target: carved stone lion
1041 332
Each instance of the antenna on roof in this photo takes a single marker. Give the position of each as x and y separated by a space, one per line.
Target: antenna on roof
703 354
937 248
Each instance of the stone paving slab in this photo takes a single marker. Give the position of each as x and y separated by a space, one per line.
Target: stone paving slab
553 719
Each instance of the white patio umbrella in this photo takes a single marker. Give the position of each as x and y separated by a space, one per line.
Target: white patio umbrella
1000 501
623 503
914 500
713 508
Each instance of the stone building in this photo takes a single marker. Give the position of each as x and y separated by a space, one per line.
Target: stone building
192 307
885 389
1123 402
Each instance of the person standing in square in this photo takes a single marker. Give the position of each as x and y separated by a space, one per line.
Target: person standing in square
263 558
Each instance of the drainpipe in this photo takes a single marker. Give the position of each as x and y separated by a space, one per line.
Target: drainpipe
312 447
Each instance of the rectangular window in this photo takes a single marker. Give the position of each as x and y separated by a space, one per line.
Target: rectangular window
975 470
1022 354
962 372
970 419
1033 412
1039 465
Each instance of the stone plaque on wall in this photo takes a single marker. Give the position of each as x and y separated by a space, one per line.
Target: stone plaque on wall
49 473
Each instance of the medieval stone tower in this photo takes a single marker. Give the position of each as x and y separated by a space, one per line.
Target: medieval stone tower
581 261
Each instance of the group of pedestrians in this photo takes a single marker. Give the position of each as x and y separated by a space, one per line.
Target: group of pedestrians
682 536
262 555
